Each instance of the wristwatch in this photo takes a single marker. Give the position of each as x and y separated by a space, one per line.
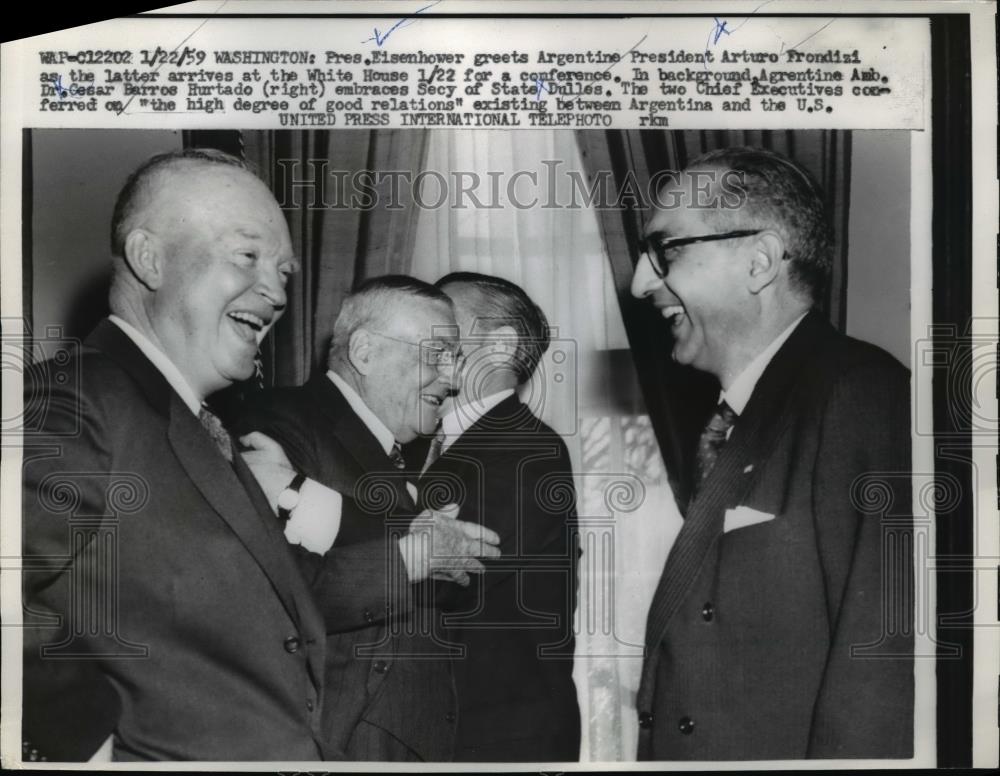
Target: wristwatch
288 499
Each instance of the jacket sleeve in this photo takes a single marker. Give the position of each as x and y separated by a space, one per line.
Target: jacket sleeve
864 522
355 585
69 707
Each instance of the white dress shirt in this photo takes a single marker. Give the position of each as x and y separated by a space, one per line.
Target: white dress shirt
742 387
464 416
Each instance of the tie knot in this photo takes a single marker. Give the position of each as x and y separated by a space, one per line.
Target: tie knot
213 425
724 417
711 442
396 456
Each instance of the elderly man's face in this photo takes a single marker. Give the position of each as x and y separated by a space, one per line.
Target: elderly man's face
409 380
704 293
227 256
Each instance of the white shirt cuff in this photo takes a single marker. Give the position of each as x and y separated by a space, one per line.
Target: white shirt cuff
315 521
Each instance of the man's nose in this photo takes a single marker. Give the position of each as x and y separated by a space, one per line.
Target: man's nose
447 374
271 285
644 280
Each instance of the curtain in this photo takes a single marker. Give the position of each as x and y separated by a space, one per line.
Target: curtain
346 226
586 388
679 398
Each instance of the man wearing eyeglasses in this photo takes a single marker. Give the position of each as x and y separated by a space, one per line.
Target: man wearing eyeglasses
781 627
391 361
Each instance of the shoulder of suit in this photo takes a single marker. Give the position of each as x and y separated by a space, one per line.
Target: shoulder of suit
87 372
847 366
849 358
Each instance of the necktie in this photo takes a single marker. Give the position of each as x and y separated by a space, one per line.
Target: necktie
217 431
434 451
711 442
396 456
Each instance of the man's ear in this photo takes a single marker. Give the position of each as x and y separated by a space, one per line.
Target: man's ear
766 260
360 351
144 256
504 340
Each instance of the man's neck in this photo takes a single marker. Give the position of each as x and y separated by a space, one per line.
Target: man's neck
481 390
355 398
759 339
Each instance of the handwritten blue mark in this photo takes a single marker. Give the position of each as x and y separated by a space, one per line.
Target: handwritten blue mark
381 37
718 30
721 28
60 90
539 88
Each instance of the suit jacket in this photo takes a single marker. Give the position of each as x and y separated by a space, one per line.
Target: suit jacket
161 601
792 637
389 683
512 473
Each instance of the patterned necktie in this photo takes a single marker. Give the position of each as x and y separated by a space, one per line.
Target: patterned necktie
217 431
711 442
396 456
434 451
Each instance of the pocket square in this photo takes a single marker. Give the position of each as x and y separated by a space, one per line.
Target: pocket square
741 517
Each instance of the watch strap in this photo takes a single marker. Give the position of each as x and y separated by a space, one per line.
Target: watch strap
295 485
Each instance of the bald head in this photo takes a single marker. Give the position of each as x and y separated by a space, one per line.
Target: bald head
202 255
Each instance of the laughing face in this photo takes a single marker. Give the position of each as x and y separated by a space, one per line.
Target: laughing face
703 295
409 381
226 258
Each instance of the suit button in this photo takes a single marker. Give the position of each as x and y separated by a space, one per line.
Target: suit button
380 667
309 704
450 716
707 612
686 725
369 617
292 644
645 719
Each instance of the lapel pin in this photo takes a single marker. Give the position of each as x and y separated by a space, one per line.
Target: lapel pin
748 469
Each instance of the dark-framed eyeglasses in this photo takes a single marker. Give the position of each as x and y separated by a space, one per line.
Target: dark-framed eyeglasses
660 251
430 354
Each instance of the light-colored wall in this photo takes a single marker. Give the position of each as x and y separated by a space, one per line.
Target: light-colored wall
878 272
77 175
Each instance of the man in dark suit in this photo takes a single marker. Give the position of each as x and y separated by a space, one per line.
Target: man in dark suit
390 366
510 472
782 625
165 617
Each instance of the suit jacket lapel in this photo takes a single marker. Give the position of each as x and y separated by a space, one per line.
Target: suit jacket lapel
508 417
239 503
763 420
343 423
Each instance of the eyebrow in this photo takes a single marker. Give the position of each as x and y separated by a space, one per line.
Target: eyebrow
247 233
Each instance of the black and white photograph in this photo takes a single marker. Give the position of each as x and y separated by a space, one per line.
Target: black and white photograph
425 439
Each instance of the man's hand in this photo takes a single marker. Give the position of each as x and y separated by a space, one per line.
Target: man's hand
440 547
269 464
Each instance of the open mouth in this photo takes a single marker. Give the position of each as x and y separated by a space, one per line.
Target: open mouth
674 314
249 325
432 399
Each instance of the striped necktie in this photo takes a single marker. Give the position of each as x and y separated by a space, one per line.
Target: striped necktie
711 442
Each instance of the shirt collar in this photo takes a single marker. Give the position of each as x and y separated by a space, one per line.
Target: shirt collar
380 431
162 363
464 416
742 387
